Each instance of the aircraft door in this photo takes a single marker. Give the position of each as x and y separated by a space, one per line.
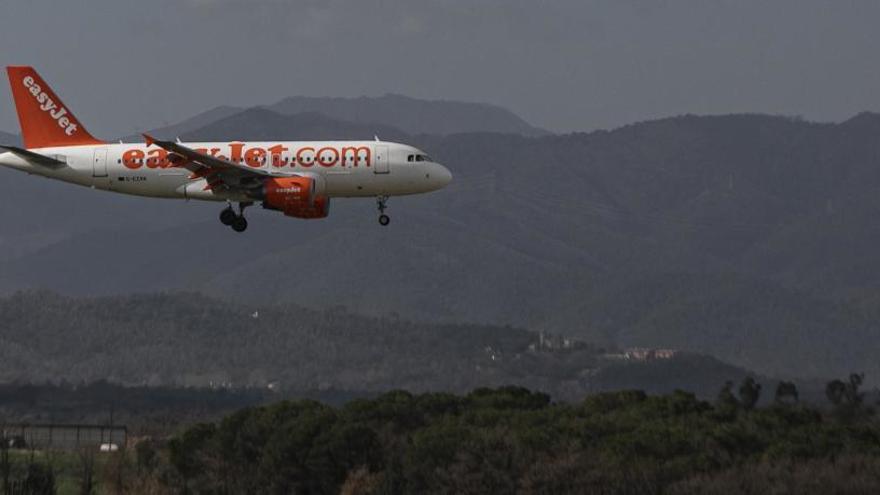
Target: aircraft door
99 163
381 160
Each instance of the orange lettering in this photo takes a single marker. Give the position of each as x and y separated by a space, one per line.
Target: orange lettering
276 152
305 161
216 153
235 151
255 157
133 158
357 154
157 159
328 156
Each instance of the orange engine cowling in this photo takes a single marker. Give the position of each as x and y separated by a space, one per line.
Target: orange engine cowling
295 196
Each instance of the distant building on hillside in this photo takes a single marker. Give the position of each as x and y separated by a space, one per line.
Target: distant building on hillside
492 353
648 354
554 342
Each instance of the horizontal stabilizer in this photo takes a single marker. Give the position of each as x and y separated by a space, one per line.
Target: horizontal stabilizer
36 158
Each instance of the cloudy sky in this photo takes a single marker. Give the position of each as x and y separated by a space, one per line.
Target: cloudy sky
127 65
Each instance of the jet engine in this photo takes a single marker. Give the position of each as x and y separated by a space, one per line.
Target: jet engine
295 197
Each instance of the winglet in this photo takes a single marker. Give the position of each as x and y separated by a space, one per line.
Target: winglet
149 139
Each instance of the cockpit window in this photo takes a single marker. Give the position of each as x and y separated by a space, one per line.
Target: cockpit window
419 158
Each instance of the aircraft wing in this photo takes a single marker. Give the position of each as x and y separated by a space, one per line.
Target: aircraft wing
219 173
30 156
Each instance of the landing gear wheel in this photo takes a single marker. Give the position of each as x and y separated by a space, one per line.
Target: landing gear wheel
239 224
381 205
227 216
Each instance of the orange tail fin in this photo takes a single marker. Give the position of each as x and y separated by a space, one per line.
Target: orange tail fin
44 119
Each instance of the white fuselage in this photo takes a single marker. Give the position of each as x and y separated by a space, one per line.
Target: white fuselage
342 168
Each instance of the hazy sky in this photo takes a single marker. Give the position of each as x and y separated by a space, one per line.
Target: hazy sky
565 65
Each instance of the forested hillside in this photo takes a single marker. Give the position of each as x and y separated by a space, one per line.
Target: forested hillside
186 339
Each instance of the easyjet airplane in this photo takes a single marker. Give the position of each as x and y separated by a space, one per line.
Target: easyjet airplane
294 177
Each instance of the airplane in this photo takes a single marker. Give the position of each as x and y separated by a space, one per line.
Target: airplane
297 178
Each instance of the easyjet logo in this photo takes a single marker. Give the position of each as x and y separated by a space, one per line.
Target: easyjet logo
58 113
277 156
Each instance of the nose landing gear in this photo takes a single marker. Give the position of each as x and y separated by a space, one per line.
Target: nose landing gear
380 203
236 221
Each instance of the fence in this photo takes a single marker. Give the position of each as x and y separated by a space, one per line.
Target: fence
62 436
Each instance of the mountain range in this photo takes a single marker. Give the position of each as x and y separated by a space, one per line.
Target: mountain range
417 116
376 115
747 237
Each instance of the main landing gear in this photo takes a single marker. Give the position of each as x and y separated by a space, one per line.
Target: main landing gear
380 203
236 221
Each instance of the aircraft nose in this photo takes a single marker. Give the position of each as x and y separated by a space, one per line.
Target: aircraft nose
443 176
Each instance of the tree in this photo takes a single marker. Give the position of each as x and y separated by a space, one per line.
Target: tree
5 461
184 452
40 480
146 456
749 393
853 396
727 402
835 390
117 475
786 392
501 442
847 393
86 470
360 481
